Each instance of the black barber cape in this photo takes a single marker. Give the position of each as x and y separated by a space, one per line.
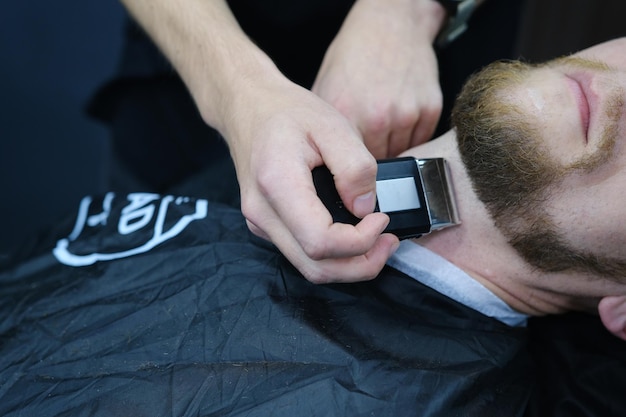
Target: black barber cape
144 305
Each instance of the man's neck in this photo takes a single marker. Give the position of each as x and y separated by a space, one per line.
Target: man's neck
477 246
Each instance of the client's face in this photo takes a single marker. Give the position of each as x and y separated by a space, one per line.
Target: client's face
545 147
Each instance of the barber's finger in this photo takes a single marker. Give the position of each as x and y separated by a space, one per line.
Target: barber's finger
343 253
309 221
428 119
345 240
291 202
354 172
376 143
358 268
257 230
361 267
424 130
339 241
399 140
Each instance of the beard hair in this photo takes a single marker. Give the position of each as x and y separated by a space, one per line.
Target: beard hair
507 165
512 174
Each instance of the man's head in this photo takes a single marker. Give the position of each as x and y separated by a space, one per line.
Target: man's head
541 144
545 149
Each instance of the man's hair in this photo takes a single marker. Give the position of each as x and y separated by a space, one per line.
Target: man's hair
512 174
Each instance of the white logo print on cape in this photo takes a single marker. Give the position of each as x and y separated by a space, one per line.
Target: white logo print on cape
151 214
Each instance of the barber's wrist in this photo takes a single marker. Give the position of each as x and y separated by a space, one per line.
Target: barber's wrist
251 77
432 16
427 16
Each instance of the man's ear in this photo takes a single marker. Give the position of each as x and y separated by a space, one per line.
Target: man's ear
612 312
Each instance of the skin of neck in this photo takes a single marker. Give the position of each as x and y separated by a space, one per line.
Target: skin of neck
479 248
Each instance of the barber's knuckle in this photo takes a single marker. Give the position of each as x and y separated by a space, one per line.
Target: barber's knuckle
266 181
435 101
365 167
355 170
369 275
315 249
252 210
254 229
318 276
377 123
434 107
247 208
405 120
325 275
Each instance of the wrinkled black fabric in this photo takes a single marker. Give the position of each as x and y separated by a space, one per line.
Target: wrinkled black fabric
580 367
216 322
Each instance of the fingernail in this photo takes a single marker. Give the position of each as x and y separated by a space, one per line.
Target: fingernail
394 247
364 204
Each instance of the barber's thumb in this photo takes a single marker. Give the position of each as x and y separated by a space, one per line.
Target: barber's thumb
612 310
359 195
364 204
356 183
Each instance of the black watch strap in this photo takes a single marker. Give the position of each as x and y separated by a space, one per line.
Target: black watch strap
459 12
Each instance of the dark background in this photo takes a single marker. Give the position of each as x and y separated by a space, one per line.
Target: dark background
54 55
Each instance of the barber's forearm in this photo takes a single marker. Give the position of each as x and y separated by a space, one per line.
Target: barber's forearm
429 15
205 44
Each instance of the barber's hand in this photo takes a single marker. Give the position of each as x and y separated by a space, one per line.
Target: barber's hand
277 133
279 137
381 73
